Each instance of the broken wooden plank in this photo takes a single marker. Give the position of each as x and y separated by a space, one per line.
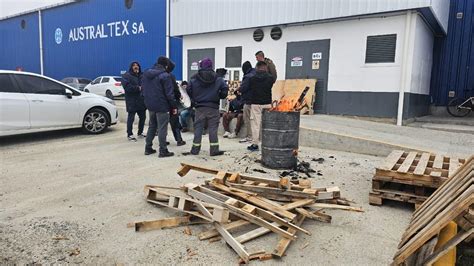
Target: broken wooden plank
166 223
236 246
276 191
230 226
334 206
314 216
284 243
256 200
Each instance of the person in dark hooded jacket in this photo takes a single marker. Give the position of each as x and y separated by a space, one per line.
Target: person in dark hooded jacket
159 100
246 97
174 118
206 89
135 104
261 87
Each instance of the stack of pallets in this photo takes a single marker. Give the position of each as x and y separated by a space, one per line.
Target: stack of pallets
411 176
453 201
231 201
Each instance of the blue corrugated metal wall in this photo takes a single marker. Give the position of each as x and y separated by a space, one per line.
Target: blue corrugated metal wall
453 65
176 54
93 38
20 47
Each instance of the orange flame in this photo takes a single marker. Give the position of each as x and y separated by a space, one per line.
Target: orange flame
287 105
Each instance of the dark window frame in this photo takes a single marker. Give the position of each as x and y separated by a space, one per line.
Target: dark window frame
381 49
229 60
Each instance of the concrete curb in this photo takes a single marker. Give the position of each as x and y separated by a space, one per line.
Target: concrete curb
333 141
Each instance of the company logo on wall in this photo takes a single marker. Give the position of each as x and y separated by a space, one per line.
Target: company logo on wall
101 31
58 36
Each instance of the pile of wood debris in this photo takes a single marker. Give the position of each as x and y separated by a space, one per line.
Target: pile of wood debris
230 201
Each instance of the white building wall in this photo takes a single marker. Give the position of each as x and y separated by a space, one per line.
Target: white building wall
199 16
347 68
422 58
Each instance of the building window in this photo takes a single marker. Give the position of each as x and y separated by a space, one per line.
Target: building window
233 56
128 4
23 24
381 48
276 33
258 35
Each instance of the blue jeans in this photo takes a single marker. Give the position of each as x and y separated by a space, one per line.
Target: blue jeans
184 116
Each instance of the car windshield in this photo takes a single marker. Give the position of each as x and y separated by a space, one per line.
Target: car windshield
84 81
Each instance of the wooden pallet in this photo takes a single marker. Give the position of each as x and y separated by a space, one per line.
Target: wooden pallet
382 190
416 168
411 176
452 201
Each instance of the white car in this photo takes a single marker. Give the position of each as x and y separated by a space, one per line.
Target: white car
108 86
31 103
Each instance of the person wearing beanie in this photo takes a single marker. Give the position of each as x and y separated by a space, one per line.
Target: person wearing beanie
158 92
246 97
206 90
174 117
260 56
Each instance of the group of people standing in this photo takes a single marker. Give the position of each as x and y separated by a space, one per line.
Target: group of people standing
156 90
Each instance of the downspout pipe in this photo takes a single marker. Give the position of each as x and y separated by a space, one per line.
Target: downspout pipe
404 68
40 30
168 28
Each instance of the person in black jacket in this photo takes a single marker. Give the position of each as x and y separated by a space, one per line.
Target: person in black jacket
244 90
174 118
235 111
131 82
206 89
159 100
261 87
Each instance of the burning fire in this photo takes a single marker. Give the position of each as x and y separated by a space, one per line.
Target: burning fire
288 105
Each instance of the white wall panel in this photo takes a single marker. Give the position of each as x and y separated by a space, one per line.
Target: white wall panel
202 16
347 68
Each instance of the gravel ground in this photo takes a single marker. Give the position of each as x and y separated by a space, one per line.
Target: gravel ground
67 197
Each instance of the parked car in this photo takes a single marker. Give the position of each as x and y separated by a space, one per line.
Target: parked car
77 83
31 103
108 86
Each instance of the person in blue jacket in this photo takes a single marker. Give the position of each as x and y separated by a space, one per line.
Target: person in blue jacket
159 97
206 89
131 82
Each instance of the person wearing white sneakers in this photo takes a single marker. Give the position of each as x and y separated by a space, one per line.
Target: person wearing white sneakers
235 111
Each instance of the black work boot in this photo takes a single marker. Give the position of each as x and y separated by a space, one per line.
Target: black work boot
165 154
149 151
214 151
195 149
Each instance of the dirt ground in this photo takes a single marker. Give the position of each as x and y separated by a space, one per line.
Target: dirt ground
84 189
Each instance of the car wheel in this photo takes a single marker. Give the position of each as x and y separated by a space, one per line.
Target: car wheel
86 90
95 121
109 94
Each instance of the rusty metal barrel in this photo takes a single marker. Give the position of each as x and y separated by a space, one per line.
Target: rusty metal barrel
280 136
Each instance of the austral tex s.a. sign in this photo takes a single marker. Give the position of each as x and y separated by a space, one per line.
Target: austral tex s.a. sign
114 29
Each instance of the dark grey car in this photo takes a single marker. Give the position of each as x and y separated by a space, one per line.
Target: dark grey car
78 83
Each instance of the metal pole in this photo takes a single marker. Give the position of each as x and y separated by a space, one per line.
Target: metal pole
403 77
168 28
40 26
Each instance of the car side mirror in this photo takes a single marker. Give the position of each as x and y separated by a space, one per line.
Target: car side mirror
68 93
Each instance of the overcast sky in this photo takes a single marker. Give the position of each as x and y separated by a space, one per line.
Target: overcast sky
12 7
